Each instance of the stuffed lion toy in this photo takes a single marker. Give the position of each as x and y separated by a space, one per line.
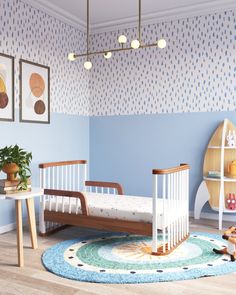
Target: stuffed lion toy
230 236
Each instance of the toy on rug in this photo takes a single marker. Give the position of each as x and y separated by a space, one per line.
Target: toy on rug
230 236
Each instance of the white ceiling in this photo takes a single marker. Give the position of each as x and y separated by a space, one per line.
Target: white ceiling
107 13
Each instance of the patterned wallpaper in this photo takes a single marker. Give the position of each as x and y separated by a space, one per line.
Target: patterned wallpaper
195 73
33 35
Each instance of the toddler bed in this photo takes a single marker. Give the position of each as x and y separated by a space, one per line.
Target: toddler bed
69 199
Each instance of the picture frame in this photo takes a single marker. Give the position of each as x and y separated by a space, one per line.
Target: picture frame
7 89
34 92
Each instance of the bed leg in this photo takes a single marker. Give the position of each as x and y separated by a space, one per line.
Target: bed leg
42 224
154 215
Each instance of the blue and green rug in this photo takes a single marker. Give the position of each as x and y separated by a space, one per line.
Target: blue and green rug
122 259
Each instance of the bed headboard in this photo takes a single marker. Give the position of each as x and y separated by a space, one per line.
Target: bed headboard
64 175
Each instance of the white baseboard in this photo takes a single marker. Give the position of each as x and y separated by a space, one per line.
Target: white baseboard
11 226
215 216
7 227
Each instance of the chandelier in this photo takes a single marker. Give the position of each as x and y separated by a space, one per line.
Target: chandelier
122 39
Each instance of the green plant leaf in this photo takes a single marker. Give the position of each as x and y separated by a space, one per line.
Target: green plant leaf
17 155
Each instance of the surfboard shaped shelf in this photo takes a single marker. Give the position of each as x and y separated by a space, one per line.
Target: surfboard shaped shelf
215 188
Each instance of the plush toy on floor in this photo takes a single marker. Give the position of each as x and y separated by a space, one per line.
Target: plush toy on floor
230 236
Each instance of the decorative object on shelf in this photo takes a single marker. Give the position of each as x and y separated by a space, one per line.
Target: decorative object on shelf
232 169
230 236
6 87
231 138
217 158
34 92
213 174
230 202
122 39
15 162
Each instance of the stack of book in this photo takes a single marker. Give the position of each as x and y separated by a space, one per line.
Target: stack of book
10 187
214 174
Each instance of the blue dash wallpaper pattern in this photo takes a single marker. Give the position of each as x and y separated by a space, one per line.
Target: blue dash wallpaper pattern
196 72
33 35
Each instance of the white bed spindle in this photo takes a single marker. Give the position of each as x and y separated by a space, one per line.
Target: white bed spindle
78 178
164 213
84 175
53 177
169 213
175 210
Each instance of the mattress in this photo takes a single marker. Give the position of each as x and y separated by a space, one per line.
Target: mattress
132 208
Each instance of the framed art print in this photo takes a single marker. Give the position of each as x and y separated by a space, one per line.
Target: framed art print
34 92
6 87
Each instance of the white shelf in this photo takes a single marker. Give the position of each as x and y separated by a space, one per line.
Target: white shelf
225 179
224 210
219 147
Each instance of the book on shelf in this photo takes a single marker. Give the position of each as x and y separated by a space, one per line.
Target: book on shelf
10 183
214 174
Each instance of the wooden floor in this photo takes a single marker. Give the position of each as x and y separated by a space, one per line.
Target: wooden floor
34 279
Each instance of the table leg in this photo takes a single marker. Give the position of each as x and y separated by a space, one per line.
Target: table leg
19 233
32 223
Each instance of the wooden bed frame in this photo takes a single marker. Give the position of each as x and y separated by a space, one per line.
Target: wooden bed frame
68 179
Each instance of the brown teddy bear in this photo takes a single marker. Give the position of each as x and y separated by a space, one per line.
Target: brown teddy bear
230 236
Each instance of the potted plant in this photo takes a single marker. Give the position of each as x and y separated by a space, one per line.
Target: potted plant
14 161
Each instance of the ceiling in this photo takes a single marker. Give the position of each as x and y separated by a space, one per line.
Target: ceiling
109 13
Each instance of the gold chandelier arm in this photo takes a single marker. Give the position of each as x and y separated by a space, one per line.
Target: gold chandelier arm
88 64
87 28
114 50
139 21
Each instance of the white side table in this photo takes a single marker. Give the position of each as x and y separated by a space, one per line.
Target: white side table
29 198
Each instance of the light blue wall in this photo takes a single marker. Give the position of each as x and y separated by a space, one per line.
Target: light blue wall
66 138
126 148
31 34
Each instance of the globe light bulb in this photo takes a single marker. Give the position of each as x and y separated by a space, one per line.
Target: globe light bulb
107 55
135 44
88 65
161 43
122 39
71 56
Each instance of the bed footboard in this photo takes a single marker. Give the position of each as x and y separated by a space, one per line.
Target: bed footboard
172 186
70 177
65 175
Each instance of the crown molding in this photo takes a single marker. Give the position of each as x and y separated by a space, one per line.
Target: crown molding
58 13
165 16
125 23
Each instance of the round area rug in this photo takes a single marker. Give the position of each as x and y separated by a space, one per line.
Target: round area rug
121 259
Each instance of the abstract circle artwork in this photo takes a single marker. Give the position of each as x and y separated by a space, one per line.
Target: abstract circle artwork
39 107
3 88
37 84
6 87
3 100
37 88
34 92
